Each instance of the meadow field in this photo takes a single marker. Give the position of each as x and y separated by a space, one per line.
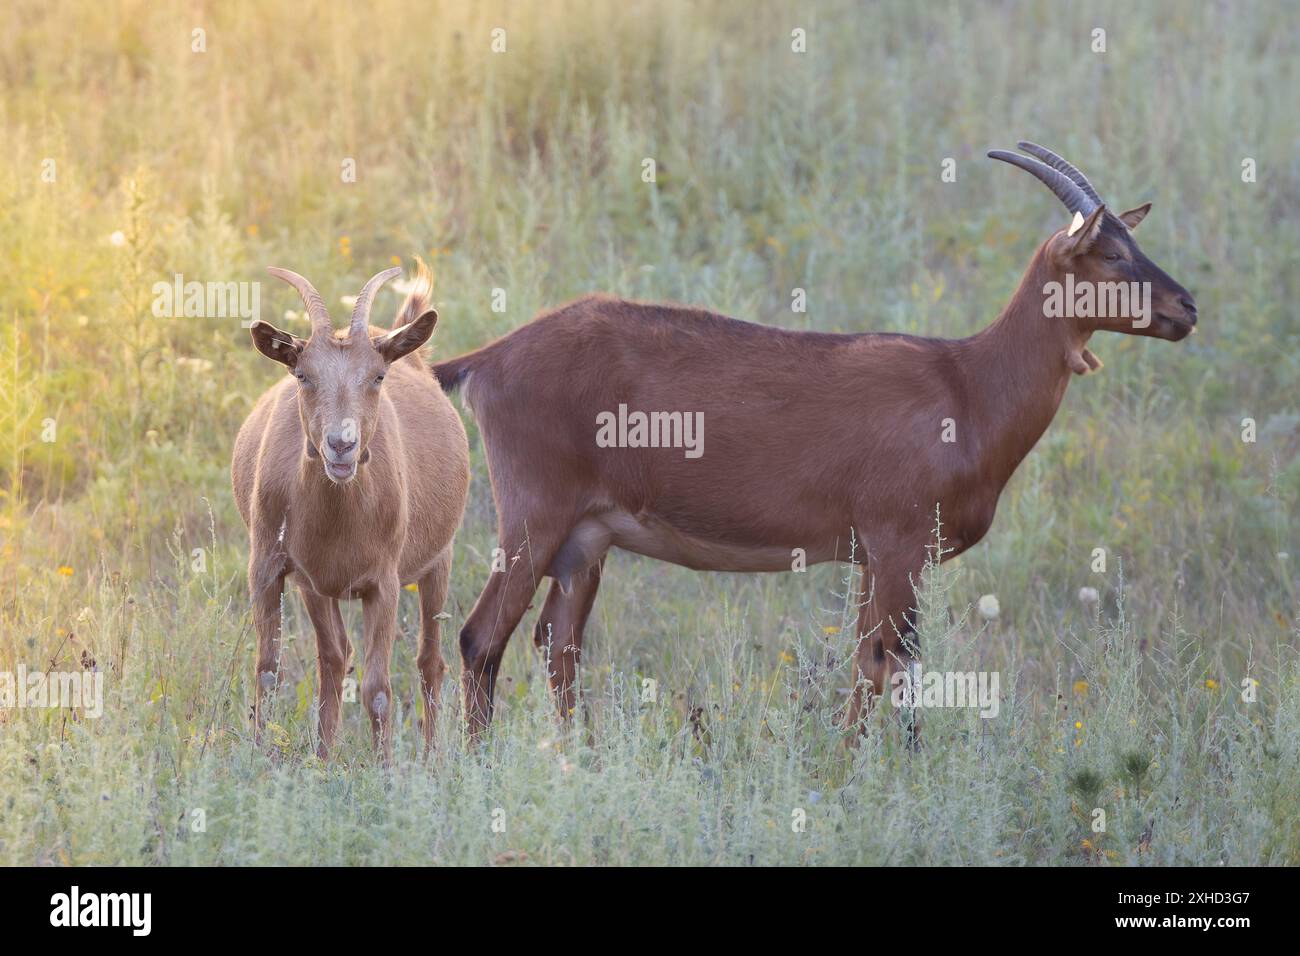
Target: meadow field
337 139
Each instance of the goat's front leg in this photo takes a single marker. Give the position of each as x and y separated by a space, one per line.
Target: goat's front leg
379 612
886 624
266 574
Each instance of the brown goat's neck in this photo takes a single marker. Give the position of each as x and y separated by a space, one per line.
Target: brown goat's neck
1017 374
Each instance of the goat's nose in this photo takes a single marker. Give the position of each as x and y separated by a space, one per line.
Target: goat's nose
1189 307
340 445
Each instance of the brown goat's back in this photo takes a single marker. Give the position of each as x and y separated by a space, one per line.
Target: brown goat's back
765 396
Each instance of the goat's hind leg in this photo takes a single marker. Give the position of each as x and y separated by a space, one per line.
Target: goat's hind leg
558 634
433 596
333 654
497 613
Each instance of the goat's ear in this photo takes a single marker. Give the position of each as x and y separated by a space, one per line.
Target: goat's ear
407 338
276 344
1135 216
1083 232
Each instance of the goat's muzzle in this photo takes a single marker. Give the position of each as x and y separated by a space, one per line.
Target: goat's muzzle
341 465
1175 328
339 472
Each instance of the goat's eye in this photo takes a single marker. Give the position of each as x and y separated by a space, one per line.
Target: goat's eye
1112 257
379 378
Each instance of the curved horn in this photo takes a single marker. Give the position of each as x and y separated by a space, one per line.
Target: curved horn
361 311
316 311
1065 188
1056 162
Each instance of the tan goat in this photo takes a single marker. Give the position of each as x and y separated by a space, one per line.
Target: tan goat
352 477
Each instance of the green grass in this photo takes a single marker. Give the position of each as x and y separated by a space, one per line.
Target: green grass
522 171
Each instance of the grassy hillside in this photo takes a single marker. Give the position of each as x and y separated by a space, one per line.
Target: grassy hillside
131 155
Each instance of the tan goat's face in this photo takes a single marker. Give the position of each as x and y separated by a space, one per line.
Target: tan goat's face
1129 293
338 401
340 385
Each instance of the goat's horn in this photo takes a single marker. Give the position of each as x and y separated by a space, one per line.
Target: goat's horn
316 311
1065 188
1056 162
361 311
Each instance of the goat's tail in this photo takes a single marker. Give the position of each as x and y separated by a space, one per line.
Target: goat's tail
418 299
451 373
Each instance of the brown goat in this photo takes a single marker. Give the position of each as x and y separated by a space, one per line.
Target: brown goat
352 477
812 438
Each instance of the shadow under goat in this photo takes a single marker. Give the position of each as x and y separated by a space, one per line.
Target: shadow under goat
352 476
